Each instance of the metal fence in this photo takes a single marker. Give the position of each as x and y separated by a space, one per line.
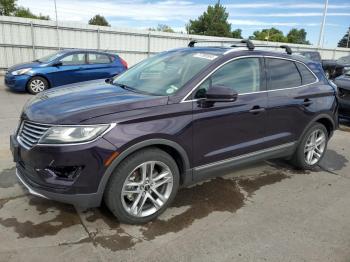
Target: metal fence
24 40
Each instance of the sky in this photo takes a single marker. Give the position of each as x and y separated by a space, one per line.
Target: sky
247 15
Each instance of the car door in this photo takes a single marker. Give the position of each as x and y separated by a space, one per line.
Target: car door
68 69
226 130
99 66
290 100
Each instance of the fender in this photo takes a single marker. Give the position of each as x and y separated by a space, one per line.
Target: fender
140 145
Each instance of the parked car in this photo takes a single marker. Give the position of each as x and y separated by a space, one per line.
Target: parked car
343 84
331 68
62 68
173 119
345 61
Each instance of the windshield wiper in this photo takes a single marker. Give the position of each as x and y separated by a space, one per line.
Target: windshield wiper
129 88
124 86
37 60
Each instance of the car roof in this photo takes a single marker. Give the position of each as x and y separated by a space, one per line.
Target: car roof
78 50
223 51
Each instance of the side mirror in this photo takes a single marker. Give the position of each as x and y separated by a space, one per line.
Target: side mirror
58 63
220 94
109 80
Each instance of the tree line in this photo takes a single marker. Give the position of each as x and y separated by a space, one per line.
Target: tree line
213 22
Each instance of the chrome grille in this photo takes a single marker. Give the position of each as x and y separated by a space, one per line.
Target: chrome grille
30 133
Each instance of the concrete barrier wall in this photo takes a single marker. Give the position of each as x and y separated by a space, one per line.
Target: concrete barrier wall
23 40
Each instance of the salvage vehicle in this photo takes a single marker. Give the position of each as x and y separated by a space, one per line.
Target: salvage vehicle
62 68
331 68
345 61
176 118
343 84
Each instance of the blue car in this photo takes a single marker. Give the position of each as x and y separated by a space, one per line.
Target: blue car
62 68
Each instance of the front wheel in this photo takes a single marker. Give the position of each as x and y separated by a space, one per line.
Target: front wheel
37 84
312 147
142 186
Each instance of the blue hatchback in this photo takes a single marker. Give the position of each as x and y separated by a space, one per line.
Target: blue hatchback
62 68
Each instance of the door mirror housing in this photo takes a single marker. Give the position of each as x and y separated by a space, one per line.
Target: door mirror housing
221 94
57 64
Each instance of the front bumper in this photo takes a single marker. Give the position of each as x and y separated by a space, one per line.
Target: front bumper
16 83
81 200
37 169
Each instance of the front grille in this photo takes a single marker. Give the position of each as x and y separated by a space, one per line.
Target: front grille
30 133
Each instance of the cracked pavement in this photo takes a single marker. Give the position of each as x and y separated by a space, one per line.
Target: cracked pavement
262 212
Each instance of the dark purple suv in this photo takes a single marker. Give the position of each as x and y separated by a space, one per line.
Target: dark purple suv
169 121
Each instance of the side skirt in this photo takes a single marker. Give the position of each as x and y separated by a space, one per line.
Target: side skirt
213 169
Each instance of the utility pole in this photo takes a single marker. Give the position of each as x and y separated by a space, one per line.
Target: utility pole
347 43
321 36
57 33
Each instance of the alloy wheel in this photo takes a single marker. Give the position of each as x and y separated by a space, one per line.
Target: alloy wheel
147 188
315 146
37 85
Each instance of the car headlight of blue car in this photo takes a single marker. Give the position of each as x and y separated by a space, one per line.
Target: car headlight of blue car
21 71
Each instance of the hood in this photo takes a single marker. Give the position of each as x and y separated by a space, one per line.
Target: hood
26 65
75 103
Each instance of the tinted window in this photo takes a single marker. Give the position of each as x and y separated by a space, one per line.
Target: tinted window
282 74
306 76
241 75
74 59
98 58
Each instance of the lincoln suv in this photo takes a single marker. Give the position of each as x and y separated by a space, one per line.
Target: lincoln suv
176 118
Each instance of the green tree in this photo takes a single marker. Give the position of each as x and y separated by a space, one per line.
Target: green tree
271 35
345 41
237 33
162 28
7 7
99 20
26 13
213 22
296 36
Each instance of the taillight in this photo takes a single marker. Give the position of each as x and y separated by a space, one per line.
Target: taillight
123 62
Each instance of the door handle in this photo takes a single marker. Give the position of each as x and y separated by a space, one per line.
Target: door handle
307 102
256 110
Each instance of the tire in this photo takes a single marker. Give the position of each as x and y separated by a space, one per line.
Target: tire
37 84
130 172
301 158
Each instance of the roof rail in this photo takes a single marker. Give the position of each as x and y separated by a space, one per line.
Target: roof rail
285 47
249 44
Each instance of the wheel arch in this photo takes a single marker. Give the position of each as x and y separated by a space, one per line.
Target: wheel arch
172 148
323 119
39 75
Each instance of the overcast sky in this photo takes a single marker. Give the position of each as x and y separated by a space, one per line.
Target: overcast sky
247 15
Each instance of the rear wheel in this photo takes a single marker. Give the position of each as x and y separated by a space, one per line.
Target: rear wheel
312 147
37 84
142 186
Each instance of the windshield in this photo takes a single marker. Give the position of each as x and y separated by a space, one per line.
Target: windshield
164 74
344 60
49 58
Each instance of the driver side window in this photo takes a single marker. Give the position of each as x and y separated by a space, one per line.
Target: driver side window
241 75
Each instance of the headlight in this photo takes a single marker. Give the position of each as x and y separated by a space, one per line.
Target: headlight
21 71
72 134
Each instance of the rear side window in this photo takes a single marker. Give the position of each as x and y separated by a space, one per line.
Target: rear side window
94 58
306 76
282 74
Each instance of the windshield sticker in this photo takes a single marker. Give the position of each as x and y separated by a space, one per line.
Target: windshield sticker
205 56
171 89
